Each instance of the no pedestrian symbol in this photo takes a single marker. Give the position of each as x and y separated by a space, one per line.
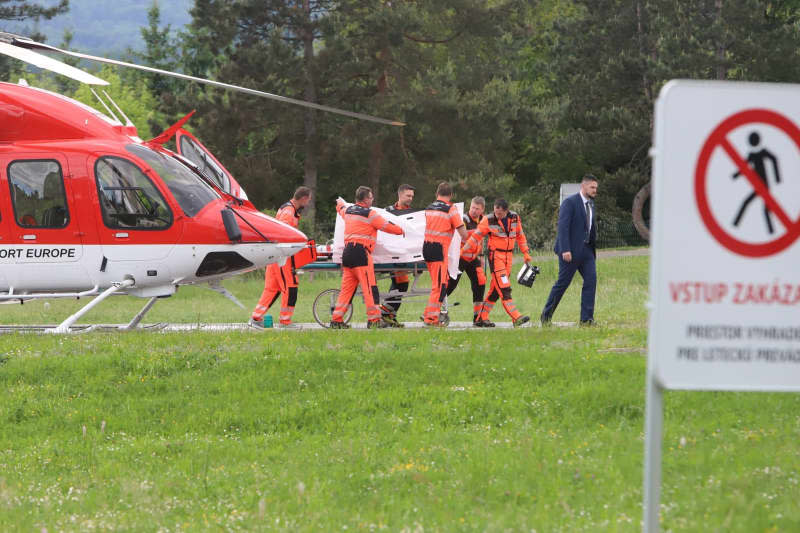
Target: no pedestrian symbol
741 165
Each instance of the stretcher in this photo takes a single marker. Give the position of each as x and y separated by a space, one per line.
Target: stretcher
325 301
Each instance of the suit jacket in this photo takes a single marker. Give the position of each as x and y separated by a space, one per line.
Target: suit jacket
572 235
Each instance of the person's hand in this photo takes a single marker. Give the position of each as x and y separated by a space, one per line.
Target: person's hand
527 258
340 201
567 256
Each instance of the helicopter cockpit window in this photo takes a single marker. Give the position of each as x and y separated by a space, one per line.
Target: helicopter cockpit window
128 199
37 192
194 153
189 189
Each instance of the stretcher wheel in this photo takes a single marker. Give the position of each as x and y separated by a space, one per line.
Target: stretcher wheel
323 307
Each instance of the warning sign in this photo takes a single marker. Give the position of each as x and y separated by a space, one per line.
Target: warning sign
759 167
724 288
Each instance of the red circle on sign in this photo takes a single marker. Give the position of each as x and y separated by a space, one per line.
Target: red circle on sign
716 140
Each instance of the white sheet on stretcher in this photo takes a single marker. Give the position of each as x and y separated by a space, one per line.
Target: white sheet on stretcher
396 248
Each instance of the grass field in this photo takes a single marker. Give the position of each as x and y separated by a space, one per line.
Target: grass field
397 430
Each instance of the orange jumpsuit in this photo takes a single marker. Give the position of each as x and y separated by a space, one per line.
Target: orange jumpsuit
441 219
502 236
361 226
280 280
470 262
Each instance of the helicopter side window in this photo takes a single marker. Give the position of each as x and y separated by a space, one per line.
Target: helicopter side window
37 193
128 199
192 151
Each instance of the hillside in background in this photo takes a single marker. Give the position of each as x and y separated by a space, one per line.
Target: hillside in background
105 27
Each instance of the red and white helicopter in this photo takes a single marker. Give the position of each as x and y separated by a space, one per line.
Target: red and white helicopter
88 209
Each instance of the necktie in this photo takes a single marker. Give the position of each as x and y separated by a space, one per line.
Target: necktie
588 216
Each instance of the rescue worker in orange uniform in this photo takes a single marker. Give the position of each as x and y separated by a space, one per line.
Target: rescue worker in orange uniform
504 228
470 262
441 219
361 226
282 280
405 195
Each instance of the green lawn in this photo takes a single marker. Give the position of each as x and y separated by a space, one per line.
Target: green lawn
401 430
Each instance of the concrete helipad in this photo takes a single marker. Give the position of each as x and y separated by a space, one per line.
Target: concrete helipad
243 326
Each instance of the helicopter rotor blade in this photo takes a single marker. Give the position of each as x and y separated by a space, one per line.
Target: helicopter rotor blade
48 63
27 43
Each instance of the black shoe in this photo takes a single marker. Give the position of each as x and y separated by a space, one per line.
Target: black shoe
483 324
338 325
377 324
545 320
391 321
587 323
521 320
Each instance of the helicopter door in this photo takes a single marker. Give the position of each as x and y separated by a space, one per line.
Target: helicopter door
5 235
45 249
137 226
193 150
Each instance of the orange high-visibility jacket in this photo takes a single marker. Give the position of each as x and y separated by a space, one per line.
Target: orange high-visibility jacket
441 219
500 239
470 224
362 224
288 213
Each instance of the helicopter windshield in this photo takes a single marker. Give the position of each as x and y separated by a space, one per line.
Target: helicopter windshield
191 192
207 166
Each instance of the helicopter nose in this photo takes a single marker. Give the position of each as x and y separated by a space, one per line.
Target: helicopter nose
256 222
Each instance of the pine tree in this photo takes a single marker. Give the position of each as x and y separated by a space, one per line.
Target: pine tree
18 10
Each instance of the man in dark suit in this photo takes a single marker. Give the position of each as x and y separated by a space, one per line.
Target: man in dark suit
575 248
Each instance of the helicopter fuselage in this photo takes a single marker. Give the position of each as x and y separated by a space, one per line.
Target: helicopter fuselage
85 204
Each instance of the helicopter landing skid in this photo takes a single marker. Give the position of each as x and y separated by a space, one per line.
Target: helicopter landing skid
67 325
112 327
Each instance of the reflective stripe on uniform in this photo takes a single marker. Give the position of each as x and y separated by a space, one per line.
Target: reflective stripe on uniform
438 233
437 214
353 236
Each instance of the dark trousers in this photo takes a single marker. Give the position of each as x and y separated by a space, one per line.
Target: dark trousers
477 279
399 283
585 264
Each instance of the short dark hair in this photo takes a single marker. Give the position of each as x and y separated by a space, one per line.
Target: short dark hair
589 177
302 192
362 193
405 187
444 189
501 203
480 200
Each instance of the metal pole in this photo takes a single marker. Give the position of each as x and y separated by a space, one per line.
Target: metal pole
138 318
653 437
64 326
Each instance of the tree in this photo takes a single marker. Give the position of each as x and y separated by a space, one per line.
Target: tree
442 66
160 52
19 10
135 99
255 32
23 10
607 61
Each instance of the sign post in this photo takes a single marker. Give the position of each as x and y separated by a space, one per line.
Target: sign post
724 289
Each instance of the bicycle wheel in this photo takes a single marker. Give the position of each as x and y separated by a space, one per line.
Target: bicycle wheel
323 307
